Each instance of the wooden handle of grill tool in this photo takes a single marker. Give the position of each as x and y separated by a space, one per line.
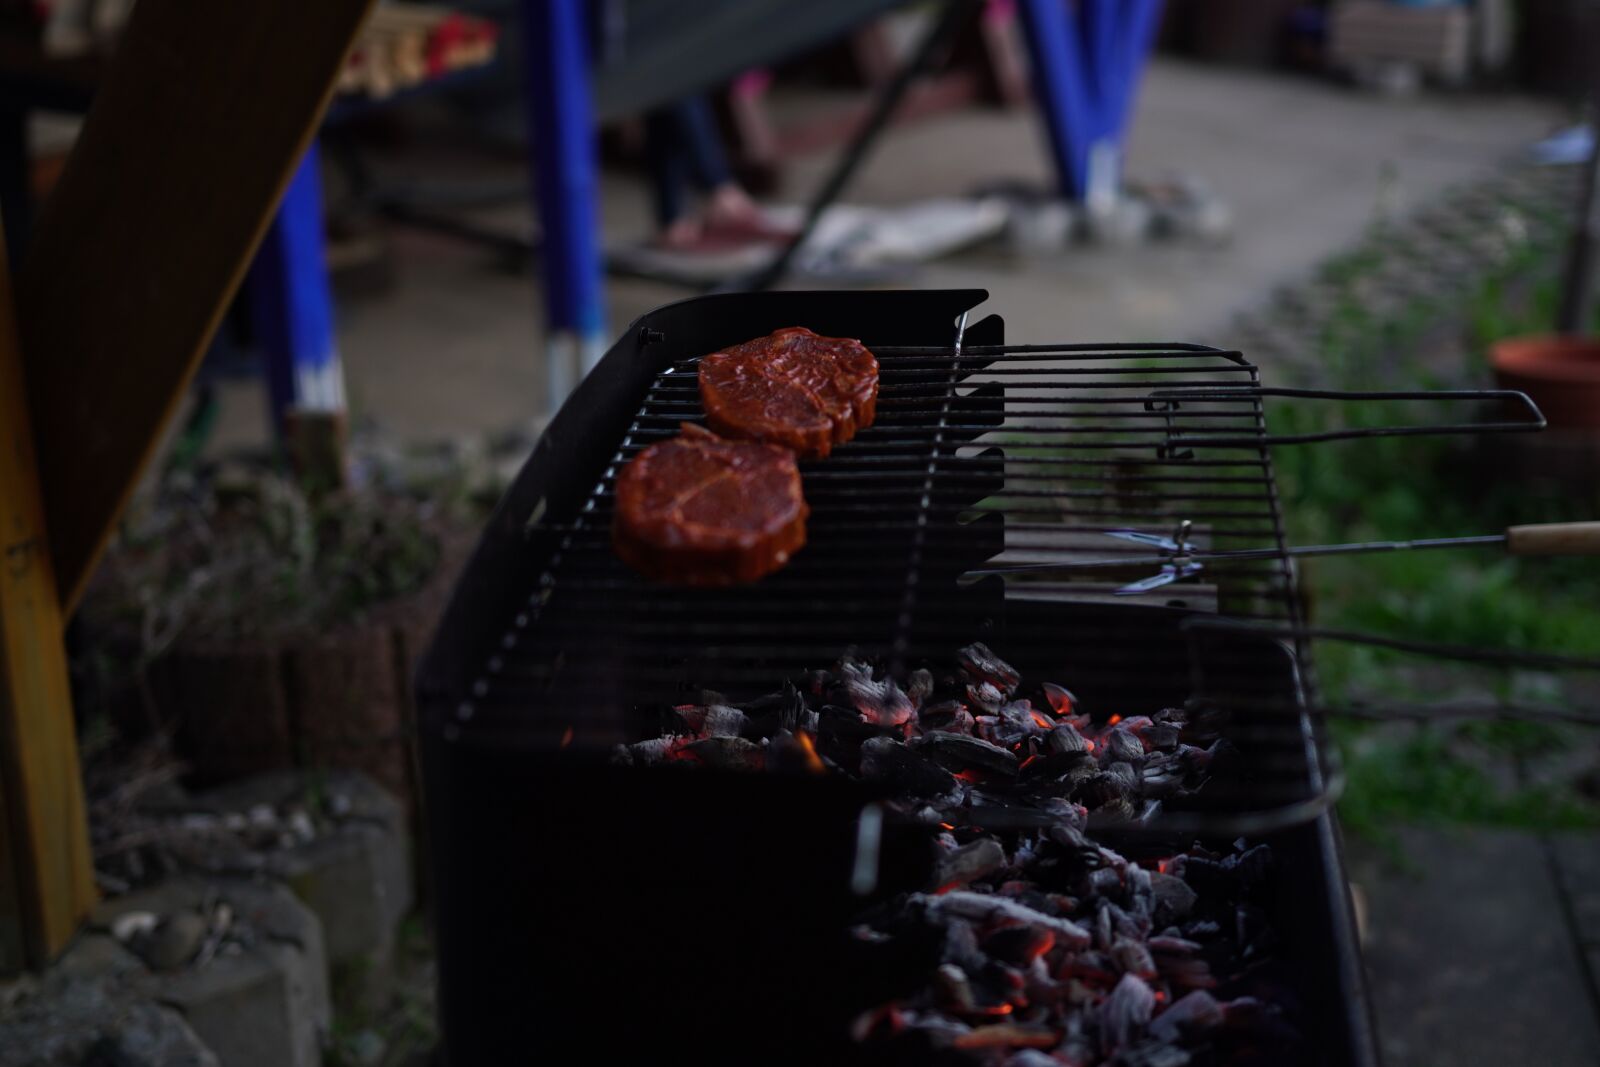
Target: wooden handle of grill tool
1554 539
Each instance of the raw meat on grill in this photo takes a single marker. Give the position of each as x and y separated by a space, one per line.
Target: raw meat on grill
791 388
701 510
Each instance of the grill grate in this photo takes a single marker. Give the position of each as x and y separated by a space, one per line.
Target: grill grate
982 455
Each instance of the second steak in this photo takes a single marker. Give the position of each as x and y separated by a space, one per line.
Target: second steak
791 388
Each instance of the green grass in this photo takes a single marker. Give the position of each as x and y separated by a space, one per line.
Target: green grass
1419 487
1430 776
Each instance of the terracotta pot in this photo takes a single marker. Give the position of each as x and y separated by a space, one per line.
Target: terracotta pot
1560 374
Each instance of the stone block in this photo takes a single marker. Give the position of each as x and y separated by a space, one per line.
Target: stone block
258 993
91 1007
352 868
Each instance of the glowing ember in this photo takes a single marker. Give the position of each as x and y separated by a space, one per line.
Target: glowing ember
813 761
1052 948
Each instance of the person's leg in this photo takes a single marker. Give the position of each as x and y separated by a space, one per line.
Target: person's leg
727 204
666 158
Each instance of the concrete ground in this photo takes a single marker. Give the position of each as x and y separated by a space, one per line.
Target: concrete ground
1304 164
1481 946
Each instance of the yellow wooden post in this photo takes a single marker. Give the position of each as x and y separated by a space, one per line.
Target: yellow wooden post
46 873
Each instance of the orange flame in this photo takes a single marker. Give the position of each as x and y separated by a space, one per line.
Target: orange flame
1113 720
1044 723
814 762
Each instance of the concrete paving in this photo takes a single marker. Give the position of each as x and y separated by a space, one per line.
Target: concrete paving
1305 165
1469 950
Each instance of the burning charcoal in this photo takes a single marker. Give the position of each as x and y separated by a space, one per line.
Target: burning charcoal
938 1027
1103 935
1105 881
948 715
1161 776
647 753
1133 957
985 696
714 720
1251 930
978 661
794 754
1122 745
775 711
954 991
919 687
1019 945
1185 972
1065 740
1159 737
728 753
1177 946
1020 713
1006 1035
844 724
981 907
1127 778
888 760
1061 701
1189 1016
1253 865
957 753
961 945
880 703
1030 1057
1102 789
1125 1014
1154 1054
1173 894
970 862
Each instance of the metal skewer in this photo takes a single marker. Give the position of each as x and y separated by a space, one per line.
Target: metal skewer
1178 559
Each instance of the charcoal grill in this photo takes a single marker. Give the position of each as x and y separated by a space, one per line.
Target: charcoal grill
706 914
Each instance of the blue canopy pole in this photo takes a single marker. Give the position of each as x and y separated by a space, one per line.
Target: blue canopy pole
1055 52
565 189
292 305
1135 41
1087 57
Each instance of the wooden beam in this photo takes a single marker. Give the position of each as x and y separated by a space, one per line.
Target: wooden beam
46 875
202 118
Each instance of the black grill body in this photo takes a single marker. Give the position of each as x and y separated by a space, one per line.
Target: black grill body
663 915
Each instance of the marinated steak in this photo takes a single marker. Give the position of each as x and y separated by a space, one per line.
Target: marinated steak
700 510
791 388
